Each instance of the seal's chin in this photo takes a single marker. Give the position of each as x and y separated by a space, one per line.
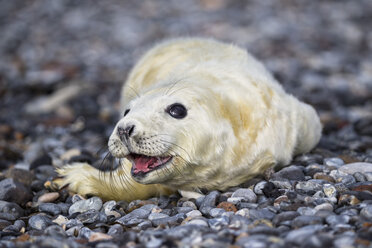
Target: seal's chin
143 165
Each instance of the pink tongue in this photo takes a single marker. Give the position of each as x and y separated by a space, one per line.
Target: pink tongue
143 163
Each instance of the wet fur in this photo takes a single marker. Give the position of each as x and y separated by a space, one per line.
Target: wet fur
240 122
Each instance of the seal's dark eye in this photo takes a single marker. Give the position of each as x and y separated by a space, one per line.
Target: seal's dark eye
177 111
126 112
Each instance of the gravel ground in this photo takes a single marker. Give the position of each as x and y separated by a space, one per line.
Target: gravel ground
61 67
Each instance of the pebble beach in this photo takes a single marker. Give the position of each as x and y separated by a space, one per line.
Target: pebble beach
62 64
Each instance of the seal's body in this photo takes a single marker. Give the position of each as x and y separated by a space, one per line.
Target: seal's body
197 113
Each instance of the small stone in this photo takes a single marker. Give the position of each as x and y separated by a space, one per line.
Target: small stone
145 225
22 176
278 200
75 198
55 231
259 187
44 159
173 220
323 176
109 208
352 168
329 190
344 242
198 222
92 216
193 214
359 177
85 233
115 230
305 220
306 211
215 212
48 197
12 209
324 206
227 206
308 187
218 223
209 202
247 194
299 235
184 209
289 173
243 212
334 162
96 236
368 176
154 216
85 205
50 208
60 220
337 219
189 204
285 216
346 199
4 224
39 222
13 191
73 222
366 212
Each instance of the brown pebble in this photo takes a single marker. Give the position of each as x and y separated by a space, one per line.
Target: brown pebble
323 176
48 197
362 188
99 236
280 199
348 199
227 206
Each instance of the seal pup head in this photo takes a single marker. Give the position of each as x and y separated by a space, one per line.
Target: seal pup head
171 134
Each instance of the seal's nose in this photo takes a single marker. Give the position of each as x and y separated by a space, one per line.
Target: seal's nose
127 131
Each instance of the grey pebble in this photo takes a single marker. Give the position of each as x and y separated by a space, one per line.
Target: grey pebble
184 209
219 223
50 208
55 231
247 194
173 220
92 216
13 191
284 216
305 220
329 190
85 205
352 168
73 222
139 213
85 232
154 216
198 222
359 177
189 204
335 162
11 208
216 212
115 230
337 219
366 212
145 225
299 235
39 222
306 211
209 202
193 214
289 173
259 187
308 187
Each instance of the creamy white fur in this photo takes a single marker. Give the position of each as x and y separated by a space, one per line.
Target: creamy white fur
239 123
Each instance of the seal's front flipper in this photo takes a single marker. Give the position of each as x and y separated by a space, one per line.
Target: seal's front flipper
84 179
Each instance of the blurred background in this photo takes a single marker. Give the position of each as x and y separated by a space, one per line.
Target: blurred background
62 64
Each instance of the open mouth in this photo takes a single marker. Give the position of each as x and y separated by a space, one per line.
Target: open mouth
142 164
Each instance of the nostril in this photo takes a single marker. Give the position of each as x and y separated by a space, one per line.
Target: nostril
121 131
129 130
